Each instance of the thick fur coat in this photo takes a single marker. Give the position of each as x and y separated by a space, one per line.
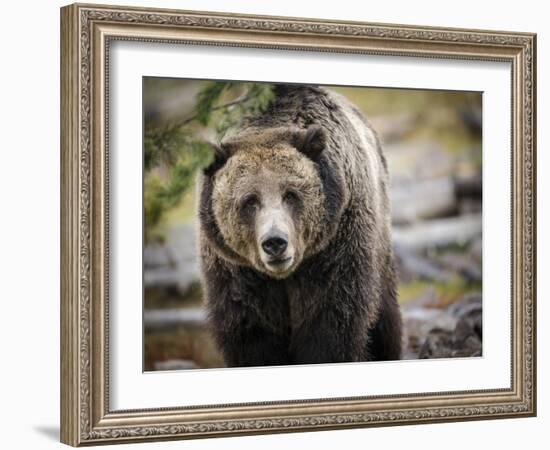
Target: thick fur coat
307 175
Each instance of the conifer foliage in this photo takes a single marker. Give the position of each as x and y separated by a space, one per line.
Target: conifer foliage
174 152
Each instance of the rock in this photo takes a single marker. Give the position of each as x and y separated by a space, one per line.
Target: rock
447 344
467 303
465 340
438 344
470 325
418 322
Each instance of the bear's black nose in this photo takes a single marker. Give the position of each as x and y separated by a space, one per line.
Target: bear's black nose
274 246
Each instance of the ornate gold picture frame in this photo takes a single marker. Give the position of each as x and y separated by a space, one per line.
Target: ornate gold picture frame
87 31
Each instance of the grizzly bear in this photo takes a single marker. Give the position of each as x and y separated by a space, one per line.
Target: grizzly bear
295 236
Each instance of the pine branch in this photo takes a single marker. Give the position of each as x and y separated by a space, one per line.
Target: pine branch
227 105
176 148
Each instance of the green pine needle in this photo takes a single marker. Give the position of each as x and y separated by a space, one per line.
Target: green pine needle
173 154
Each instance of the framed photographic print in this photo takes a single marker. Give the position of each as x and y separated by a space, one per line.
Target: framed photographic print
276 224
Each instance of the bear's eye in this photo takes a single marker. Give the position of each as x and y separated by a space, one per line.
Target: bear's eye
249 202
291 197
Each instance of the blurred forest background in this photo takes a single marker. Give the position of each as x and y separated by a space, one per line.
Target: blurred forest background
432 141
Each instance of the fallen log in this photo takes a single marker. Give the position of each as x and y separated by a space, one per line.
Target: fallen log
438 232
159 319
425 199
416 200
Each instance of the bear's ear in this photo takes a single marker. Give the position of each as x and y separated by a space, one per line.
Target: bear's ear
311 142
221 155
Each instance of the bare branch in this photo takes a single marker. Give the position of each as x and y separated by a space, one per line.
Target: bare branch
214 108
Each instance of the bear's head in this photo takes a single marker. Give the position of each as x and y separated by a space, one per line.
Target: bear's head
267 197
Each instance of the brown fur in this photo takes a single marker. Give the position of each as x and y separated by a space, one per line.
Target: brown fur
267 170
335 298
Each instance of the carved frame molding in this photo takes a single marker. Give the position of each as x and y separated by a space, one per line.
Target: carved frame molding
86 31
